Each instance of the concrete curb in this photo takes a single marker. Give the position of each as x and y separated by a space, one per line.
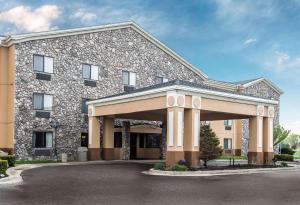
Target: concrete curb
14 174
218 172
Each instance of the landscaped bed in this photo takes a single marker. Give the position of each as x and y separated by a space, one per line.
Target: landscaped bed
35 161
181 166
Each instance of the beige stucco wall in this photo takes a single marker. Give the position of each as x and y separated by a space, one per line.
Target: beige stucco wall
7 85
219 128
148 153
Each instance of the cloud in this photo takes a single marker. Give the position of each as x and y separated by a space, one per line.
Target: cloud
84 16
249 41
282 62
239 15
294 127
153 21
26 19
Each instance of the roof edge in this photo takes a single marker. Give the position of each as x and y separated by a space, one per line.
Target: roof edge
8 41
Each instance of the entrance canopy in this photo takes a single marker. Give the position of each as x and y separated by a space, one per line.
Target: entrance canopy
182 104
150 103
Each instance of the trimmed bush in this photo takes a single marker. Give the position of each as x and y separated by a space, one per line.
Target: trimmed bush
11 159
287 150
3 166
178 167
159 166
284 157
283 164
182 162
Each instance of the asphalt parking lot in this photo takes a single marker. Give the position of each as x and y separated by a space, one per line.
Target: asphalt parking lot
123 183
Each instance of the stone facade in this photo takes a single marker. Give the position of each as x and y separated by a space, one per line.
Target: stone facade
260 89
113 51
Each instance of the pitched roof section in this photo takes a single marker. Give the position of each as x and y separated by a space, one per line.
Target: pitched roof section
247 83
180 83
68 32
221 84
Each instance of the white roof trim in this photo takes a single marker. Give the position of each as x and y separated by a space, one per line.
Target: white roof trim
68 32
211 93
268 82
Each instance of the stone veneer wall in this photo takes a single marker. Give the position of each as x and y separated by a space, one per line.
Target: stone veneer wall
260 89
113 51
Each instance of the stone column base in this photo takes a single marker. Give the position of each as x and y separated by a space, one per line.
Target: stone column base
268 158
94 154
192 158
108 153
256 158
173 157
237 152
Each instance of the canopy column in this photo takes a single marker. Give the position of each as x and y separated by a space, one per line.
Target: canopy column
126 141
94 138
191 136
175 135
255 153
268 136
238 134
108 139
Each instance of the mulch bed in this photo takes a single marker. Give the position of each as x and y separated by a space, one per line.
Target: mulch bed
235 167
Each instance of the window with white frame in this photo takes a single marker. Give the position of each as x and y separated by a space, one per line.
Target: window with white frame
42 101
227 143
228 123
129 78
43 64
42 139
90 72
160 80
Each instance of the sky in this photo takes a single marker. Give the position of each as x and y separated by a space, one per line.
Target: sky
229 40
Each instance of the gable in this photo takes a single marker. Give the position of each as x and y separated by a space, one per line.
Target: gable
263 81
89 30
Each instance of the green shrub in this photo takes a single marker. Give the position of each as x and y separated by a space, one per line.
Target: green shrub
284 157
159 166
11 159
287 150
283 164
182 162
178 167
3 166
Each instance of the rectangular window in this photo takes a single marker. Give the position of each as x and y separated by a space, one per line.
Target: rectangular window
227 143
228 122
90 72
118 139
43 64
84 106
160 80
149 140
129 78
42 139
42 101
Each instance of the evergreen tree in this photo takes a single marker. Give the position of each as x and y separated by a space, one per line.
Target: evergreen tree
209 144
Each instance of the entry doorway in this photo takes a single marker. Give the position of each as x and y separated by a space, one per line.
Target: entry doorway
133 145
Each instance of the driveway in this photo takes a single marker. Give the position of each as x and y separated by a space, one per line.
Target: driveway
123 183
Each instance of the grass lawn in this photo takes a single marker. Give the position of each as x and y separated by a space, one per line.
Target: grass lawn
231 157
35 161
